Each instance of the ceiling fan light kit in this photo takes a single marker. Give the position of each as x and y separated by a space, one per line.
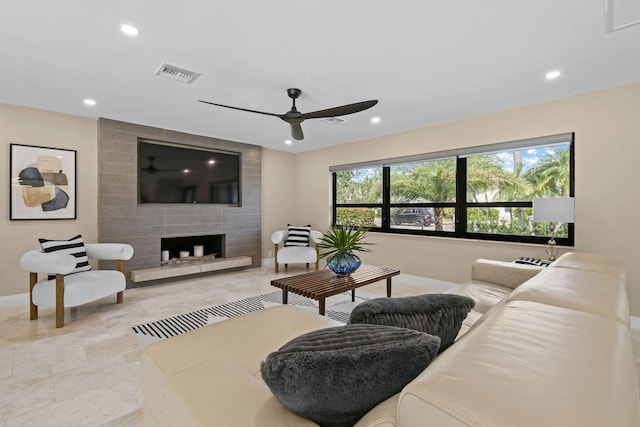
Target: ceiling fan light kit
295 117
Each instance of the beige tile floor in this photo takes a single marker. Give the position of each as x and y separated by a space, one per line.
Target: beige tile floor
88 373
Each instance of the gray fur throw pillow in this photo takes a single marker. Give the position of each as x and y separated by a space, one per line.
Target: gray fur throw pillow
436 314
334 376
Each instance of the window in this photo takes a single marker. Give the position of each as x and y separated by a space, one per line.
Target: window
423 195
480 193
358 197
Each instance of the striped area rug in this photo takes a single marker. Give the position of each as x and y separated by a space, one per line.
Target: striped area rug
148 333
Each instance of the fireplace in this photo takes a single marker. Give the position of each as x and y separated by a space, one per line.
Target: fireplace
212 244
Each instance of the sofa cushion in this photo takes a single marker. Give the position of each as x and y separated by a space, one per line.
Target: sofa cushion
298 235
436 314
583 290
484 294
74 246
333 376
529 364
592 262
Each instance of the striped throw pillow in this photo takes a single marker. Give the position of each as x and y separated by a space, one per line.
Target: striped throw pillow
73 246
298 236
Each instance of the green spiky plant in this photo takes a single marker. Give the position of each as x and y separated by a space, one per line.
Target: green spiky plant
341 239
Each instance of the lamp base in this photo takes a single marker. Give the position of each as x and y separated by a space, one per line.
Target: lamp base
552 250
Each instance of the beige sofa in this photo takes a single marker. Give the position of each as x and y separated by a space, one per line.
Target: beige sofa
543 347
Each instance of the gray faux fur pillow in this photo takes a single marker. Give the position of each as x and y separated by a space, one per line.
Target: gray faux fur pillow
334 376
436 314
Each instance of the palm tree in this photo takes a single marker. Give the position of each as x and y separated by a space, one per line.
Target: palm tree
431 181
483 174
487 176
360 186
551 177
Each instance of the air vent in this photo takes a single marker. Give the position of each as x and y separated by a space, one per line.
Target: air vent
176 73
622 13
334 120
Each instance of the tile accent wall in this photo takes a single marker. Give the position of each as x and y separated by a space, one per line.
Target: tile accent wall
122 219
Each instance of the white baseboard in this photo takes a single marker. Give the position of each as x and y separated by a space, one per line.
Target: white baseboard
11 300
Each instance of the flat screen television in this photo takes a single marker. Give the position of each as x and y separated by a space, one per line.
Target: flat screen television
170 173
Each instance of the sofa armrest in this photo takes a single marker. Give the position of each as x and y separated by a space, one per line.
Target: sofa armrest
503 273
109 251
315 236
278 236
52 263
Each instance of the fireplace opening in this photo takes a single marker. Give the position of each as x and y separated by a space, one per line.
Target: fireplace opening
211 244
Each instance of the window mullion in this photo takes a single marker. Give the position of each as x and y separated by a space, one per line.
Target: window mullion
386 198
461 196
334 185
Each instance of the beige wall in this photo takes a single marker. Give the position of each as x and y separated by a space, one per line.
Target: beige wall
279 206
297 188
607 132
36 127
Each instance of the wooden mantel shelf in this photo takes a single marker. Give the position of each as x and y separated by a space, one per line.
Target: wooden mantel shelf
183 269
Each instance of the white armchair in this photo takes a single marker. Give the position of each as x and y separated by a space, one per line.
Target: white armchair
75 289
296 254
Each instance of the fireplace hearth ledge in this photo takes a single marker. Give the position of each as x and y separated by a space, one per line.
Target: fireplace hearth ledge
184 269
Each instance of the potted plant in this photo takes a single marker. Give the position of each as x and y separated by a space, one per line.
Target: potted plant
342 241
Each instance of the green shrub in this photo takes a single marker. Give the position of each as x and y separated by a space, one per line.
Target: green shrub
355 216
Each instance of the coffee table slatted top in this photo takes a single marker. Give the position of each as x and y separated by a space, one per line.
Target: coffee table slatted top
319 285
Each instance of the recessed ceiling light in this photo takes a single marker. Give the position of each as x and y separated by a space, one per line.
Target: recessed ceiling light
90 102
288 142
552 75
129 30
375 119
211 162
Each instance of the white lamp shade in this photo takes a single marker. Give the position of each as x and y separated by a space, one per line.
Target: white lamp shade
553 209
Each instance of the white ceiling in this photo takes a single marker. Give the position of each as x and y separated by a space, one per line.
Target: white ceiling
426 62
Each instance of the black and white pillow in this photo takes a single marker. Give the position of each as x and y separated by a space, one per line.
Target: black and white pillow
73 246
298 235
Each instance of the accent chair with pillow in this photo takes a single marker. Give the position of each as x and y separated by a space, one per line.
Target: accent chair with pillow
300 245
69 280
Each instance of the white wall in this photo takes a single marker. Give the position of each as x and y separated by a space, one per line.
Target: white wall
41 128
607 151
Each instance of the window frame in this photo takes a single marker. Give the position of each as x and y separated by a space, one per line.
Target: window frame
461 204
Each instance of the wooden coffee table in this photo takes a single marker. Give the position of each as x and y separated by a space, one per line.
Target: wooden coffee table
319 285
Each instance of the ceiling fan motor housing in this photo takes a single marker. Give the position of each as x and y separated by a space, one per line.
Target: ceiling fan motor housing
294 93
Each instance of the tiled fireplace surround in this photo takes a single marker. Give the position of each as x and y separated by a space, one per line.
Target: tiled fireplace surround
122 219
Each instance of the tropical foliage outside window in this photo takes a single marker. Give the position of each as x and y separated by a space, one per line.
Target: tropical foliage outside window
487 195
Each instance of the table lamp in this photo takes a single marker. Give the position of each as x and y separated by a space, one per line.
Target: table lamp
553 209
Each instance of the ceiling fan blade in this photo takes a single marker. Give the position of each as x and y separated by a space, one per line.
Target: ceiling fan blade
340 111
238 108
296 131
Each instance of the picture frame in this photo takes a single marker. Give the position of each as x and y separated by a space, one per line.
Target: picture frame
42 183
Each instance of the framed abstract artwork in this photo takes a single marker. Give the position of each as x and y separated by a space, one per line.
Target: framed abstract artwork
43 183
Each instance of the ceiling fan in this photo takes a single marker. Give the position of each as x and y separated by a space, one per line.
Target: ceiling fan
152 169
295 117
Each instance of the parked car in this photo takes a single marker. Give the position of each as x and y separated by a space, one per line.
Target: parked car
421 217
